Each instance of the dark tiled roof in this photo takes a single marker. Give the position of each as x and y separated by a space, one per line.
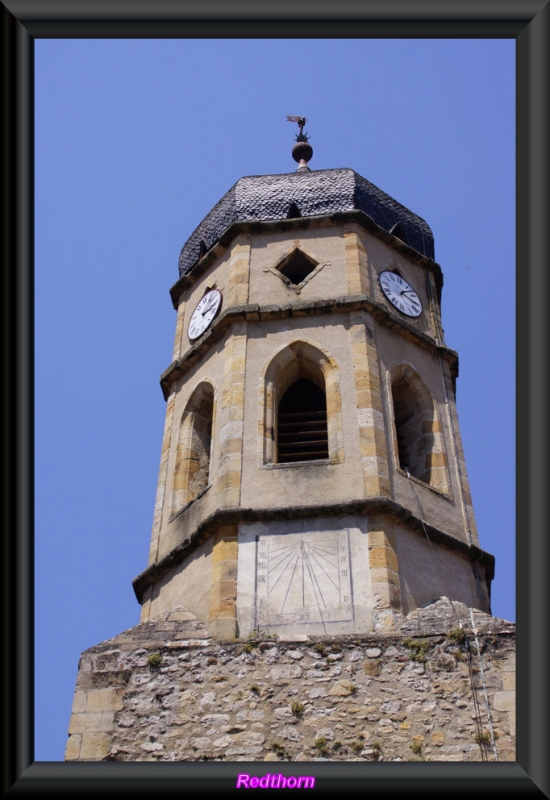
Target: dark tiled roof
327 191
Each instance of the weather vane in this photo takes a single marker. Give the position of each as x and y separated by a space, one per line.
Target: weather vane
300 120
302 150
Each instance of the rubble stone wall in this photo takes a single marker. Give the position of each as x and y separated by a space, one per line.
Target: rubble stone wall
167 691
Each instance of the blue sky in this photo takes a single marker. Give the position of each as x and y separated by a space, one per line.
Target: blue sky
135 141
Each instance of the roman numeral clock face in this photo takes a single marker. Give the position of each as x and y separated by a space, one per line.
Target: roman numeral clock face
205 312
400 294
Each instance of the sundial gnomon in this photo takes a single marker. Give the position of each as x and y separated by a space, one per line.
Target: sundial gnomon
303 578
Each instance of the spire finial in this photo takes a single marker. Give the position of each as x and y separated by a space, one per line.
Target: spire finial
302 150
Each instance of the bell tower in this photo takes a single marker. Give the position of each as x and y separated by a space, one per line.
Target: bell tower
312 478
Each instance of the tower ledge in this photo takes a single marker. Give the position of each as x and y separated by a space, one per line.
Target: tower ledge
370 506
253 311
206 254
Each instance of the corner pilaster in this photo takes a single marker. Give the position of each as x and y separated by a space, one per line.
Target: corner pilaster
223 594
232 418
357 271
384 574
372 434
239 274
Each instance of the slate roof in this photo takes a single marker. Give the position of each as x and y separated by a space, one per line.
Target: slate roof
315 192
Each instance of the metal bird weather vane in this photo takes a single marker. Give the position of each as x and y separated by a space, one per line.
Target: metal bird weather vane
300 137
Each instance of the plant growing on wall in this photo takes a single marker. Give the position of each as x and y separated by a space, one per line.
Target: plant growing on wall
154 660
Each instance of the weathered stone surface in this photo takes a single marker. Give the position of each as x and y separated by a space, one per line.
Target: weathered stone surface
505 701
343 689
371 667
367 698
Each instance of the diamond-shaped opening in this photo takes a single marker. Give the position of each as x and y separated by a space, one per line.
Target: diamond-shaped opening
297 266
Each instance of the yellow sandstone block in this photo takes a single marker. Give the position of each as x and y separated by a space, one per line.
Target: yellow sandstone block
225 549
377 538
234 395
96 721
104 700
95 746
72 750
228 589
436 460
363 383
385 576
233 369
367 446
223 609
232 446
383 557
79 702
372 484
224 572
509 681
354 284
229 480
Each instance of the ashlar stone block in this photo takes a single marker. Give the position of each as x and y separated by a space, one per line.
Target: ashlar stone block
95 746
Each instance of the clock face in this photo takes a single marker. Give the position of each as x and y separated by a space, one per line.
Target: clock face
400 294
204 313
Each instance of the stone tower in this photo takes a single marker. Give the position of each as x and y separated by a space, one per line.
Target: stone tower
312 477
312 501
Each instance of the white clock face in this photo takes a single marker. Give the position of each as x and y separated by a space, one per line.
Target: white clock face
400 294
204 313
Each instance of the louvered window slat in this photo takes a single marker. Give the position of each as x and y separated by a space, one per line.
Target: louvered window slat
302 433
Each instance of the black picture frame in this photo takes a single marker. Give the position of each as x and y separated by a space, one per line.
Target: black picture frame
525 21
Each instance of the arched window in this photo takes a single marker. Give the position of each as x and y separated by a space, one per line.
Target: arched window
300 398
419 440
302 433
192 468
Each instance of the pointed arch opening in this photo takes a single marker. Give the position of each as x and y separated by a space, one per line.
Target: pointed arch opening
418 434
302 407
193 457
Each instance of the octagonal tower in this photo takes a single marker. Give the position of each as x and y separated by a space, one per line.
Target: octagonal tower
312 477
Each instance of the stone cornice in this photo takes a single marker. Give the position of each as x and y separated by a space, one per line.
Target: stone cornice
302 223
371 506
346 303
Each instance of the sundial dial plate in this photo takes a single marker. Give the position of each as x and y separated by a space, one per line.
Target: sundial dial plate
303 578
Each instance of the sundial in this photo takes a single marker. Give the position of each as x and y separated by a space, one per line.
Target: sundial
303 578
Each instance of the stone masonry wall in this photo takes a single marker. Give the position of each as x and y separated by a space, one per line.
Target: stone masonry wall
166 691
